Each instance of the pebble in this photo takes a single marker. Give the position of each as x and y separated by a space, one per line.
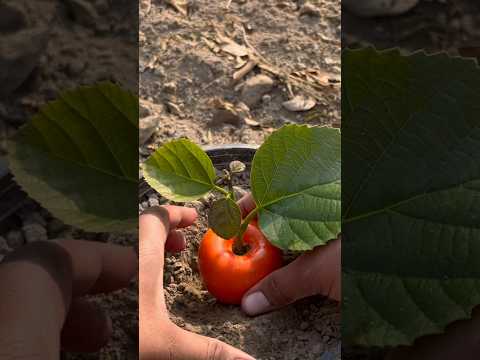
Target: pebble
254 89
153 201
83 12
55 227
309 9
304 325
75 67
4 248
33 218
225 116
266 98
147 127
15 239
34 232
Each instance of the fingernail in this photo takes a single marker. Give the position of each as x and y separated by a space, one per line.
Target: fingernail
255 303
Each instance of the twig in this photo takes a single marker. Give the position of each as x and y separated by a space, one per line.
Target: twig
149 7
244 70
229 2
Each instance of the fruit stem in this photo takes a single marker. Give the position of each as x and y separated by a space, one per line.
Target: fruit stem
238 244
222 190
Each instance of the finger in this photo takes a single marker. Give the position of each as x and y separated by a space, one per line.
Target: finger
99 267
195 347
184 345
175 242
87 327
155 224
180 216
460 341
317 272
35 288
246 204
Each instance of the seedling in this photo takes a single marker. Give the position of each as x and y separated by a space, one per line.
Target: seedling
295 183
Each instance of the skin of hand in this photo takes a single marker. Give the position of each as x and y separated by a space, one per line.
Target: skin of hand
316 272
461 340
159 337
41 305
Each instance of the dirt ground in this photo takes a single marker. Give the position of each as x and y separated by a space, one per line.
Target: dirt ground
187 90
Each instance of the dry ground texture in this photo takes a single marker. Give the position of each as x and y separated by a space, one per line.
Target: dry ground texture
220 72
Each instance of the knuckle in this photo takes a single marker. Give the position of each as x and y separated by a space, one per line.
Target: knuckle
215 350
278 295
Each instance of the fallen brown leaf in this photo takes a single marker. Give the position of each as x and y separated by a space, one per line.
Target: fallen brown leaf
299 103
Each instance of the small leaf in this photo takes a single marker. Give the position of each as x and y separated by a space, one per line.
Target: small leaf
180 171
78 158
225 218
295 182
237 167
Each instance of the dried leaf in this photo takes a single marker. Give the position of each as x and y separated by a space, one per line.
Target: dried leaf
180 5
231 47
235 49
299 103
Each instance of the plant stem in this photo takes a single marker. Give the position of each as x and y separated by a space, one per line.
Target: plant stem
222 190
230 185
238 244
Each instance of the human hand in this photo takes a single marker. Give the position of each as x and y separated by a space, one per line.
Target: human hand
316 272
159 337
41 304
460 341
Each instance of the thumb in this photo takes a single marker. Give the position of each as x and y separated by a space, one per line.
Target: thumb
191 346
317 272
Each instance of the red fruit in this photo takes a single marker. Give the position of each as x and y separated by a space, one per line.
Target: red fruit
228 276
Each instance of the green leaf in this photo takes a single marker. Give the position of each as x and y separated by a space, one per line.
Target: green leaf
78 158
411 194
295 182
180 171
225 218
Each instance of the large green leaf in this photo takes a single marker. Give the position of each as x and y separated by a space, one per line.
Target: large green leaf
78 157
180 171
411 194
295 182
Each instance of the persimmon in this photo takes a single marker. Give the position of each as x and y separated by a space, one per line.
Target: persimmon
228 275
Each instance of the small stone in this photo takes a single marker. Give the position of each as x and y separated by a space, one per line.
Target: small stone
147 127
254 89
153 201
309 9
304 325
225 116
267 98
15 239
34 232
4 248
75 67
170 87
33 218
318 349
102 6
83 12
55 227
